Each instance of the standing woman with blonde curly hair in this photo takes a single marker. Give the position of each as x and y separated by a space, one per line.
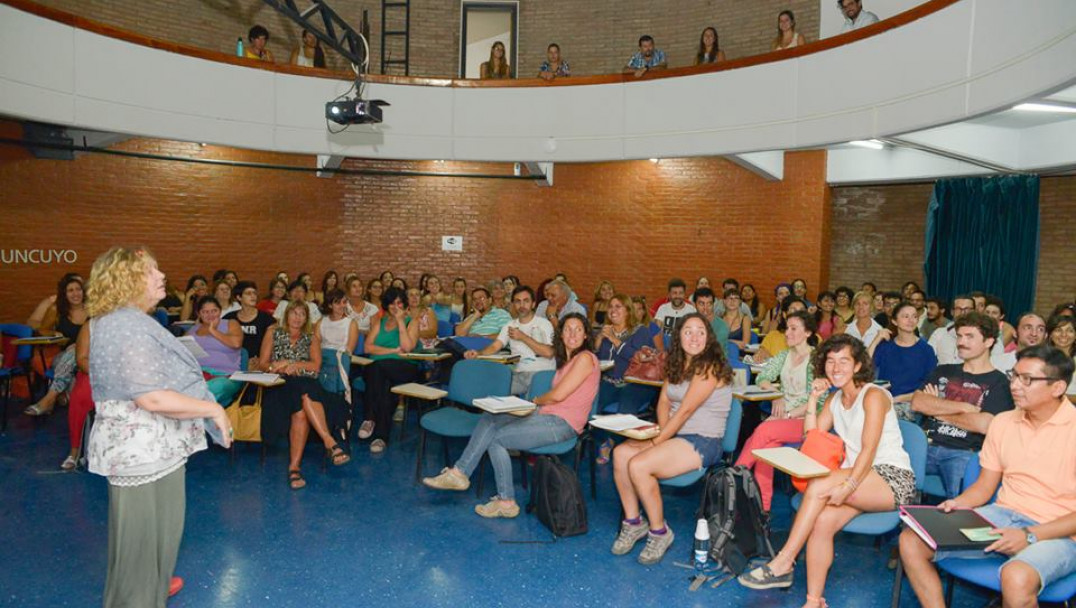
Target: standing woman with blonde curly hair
153 410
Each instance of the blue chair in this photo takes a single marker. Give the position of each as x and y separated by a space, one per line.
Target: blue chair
19 367
444 329
471 379
634 399
162 317
473 342
728 446
877 524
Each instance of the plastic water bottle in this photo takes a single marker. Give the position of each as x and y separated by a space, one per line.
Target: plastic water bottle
239 47
702 544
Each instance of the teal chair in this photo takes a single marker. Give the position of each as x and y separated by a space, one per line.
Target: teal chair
17 365
471 379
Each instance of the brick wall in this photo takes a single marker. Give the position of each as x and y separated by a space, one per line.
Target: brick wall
596 37
635 223
879 235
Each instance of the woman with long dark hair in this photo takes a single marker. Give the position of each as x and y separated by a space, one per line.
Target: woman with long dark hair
692 411
787 36
65 318
709 47
497 67
309 55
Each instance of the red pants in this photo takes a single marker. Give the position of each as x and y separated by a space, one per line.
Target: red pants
769 434
79 404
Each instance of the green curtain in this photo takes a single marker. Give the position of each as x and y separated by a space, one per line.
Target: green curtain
983 234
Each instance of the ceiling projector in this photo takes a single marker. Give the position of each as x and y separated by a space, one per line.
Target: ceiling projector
355 111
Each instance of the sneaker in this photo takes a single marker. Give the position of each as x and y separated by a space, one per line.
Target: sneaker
497 508
629 535
449 479
69 463
398 415
764 578
656 546
366 429
377 446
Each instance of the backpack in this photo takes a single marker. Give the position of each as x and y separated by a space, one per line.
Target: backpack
557 498
732 507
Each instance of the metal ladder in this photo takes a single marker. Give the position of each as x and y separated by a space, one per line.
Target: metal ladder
397 40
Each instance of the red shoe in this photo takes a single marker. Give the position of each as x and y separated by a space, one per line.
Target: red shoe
175 586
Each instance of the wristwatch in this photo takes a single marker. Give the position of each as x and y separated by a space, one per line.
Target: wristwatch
1031 538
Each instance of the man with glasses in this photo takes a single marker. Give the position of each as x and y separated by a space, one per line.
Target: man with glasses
1030 331
1031 453
959 401
854 15
528 336
944 342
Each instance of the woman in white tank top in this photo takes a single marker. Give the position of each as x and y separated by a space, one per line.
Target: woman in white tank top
876 474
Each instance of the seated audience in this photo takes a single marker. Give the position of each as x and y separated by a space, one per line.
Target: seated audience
646 59
890 299
828 321
738 323
1030 331
642 316
458 303
510 283
386 277
1027 460
901 357
439 301
497 67
876 474
374 289
863 326
197 287
601 303
390 336
944 341
297 293
704 303
959 401
877 304
336 329
854 15
228 276
1062 336
257 39
561 415
222 291
222 340
253 323
933 317
709 49
719 306
528 336
757 310
980 300
62 314
692 411
485 321
995 308
843 305
552 67
774 316
560 301
278 289
172 302
360 310
677 307
775 341
787 36
799 289
329 282
423 317
497 296
309 55
792 369
918 298
293 350
869 288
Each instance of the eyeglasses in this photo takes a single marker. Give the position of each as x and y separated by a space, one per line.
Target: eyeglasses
1027 379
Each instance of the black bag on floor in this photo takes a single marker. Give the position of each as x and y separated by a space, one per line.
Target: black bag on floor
557 497
739 529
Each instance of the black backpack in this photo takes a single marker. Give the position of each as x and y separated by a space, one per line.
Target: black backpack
732 507
557 498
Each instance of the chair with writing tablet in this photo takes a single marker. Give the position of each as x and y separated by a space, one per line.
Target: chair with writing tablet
16 360
728 446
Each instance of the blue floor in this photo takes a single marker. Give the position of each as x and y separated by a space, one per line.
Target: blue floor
362 533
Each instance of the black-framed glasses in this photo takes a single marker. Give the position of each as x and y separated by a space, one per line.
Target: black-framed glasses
1027 379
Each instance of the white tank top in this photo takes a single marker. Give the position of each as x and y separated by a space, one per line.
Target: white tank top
303 60
334 333
849 425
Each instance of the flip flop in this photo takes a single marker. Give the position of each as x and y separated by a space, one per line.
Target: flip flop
295 480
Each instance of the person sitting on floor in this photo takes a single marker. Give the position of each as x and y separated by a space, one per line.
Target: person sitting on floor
692 410
561 415
1030 454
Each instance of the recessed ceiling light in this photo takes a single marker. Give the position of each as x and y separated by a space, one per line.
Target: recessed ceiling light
1045 107
873 144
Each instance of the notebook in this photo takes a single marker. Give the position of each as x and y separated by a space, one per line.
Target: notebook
504 405
627 425
942 531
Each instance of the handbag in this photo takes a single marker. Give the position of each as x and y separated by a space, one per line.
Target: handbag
246 419
826 448
647 364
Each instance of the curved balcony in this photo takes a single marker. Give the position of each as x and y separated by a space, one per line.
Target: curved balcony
942 62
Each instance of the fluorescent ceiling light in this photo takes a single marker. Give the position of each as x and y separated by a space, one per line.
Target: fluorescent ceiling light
873 144
1045 107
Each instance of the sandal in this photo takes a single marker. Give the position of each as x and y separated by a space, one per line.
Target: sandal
338 455
817 601
37 410
69 464
295 480
604 452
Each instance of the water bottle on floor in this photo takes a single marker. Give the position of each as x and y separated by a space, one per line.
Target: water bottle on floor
702 544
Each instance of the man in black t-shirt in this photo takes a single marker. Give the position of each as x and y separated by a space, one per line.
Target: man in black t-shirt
958 401
254 323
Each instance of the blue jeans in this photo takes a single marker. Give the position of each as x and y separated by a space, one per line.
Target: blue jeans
1053 559
498 433
949 463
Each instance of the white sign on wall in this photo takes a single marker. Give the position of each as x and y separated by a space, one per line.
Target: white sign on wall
38 256
452 243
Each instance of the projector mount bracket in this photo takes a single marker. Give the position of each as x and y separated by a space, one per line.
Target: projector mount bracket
349 43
